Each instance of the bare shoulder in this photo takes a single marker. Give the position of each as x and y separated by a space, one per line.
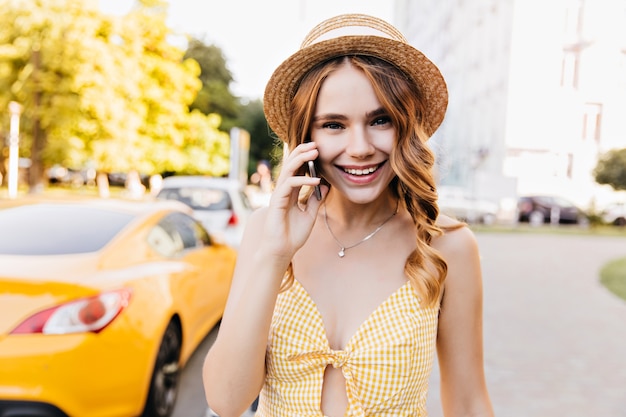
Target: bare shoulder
457 239
459 248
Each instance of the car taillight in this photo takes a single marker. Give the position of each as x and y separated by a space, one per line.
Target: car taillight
233 219
85 315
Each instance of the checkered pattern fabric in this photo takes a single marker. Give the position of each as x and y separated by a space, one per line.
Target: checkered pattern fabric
386 363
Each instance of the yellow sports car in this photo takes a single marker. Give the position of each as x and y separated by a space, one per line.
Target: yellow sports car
102 301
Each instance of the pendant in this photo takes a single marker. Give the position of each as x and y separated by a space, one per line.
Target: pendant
342 253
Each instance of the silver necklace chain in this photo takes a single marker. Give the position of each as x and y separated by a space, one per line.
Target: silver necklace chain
343 248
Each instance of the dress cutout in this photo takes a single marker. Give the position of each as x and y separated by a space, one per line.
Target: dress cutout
386 363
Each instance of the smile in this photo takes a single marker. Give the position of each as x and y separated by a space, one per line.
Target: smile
363 171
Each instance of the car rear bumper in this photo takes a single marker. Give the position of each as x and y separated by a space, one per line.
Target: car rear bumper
75 375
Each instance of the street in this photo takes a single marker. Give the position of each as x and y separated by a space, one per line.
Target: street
554 336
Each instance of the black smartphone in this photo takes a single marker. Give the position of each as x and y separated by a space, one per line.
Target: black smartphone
313 173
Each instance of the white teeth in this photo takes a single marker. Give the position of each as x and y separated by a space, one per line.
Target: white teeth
361 171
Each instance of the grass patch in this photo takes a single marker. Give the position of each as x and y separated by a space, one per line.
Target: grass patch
596 230
613 277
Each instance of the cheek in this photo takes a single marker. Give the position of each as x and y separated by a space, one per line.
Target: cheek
328 150
386 140
327 155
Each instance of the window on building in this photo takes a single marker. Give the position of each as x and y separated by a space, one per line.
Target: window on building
573 20
569 68
573 43
591 122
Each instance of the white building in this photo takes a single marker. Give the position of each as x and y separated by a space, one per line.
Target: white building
537 92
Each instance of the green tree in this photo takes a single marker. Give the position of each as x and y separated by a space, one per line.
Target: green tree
215 95
108 91
611 169
262 145
41 47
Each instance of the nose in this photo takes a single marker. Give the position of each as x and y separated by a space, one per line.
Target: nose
359 144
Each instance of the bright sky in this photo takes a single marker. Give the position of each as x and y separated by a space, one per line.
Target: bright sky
255 35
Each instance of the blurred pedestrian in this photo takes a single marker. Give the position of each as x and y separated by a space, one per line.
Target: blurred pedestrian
134 188
156 183
340 309
262 177
261 185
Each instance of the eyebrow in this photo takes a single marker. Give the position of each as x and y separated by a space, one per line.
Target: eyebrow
336 116
333 116
378 112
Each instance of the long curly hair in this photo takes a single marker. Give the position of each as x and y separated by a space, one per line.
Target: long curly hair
411 159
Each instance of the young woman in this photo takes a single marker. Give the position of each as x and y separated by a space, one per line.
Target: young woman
338 304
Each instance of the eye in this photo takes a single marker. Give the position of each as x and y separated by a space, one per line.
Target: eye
332 125
381 121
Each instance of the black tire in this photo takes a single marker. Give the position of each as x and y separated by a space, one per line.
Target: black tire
165 376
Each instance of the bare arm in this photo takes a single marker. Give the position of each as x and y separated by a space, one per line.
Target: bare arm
234 367
460 338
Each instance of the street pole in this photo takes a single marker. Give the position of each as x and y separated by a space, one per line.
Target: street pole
239 154
15 110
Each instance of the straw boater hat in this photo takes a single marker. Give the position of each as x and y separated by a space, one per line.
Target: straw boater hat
354 34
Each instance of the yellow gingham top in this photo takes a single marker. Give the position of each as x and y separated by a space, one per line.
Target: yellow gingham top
386 363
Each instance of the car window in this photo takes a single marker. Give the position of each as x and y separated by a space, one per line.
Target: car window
198 198
544 201
561 202
54 229
177 232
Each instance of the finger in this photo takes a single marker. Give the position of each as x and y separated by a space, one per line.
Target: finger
313 204
298 157
287 191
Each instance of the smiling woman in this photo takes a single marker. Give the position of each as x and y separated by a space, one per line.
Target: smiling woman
338 312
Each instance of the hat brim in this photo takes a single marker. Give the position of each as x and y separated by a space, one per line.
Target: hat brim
283 83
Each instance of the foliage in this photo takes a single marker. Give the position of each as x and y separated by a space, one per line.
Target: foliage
611 169
214 96
613 276
102 91
262 145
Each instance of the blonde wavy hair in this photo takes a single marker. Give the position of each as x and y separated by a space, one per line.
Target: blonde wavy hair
411 159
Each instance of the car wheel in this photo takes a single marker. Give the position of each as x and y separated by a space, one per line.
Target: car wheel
166 374
620 221
535 218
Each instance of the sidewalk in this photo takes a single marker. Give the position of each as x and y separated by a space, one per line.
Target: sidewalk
555 338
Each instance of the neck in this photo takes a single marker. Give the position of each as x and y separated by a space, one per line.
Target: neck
343 247
346 214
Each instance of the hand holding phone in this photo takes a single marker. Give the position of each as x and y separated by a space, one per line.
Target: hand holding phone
312 173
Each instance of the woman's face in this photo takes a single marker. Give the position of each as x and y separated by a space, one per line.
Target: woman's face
354 135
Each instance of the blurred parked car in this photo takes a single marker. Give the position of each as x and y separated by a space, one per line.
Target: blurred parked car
615 214
119 179
102 304
455 202
220 204
540 209
58 174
